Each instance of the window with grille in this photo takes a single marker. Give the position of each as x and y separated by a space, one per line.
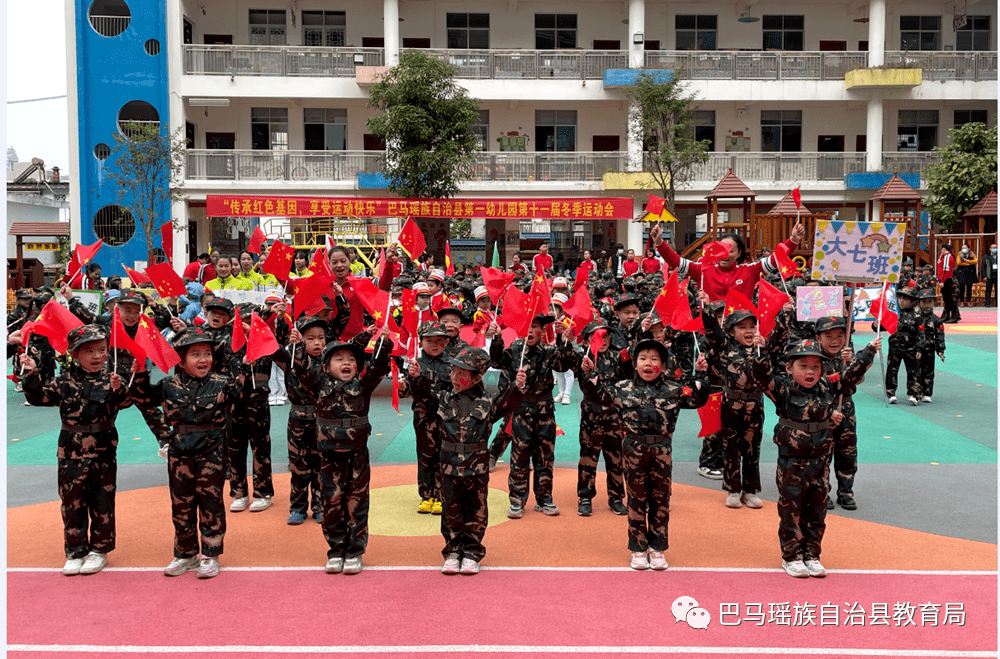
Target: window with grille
783 32
468 30
324 28
326 129
781 130
963 117
696 32
267 27
555 130
974 35
269 128
481 129
920 32
555 31
138 119
114 224
917 130
704 127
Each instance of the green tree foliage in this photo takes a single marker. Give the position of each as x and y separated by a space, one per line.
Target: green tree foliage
426 124
150 165
966 173
665 124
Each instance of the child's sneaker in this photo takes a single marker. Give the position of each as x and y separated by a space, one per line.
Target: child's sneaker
733 500
617 507
892 399
72 566
437 508
295 519
752 500
94 563
926 399
260 504
469 566
584 508
847 502
795 568
515 512
451 566
209 567
815 568
547 508
353 565
657 560
829 503
179 566
335 565
913 400
639 561
425 506
566 399
239 504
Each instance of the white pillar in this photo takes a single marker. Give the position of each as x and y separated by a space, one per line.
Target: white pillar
633 142
634 231
876 33
179 211
873 140
390 31
72 110
636 25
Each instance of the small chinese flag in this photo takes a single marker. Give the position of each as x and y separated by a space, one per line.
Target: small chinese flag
769 303
261 341
666 301
713 253
239 338
307 291
884 309
786 266
167 282
411 238
375 301
383 266
582 274
121 340
797 196
559 431
135 276
515 309
55 322
279 261
539 300
736 301
155 346
597 342
496 282
395 385
167 240
579 308
682 319
655 205
257 240
320 265
449 268
711 415
82 255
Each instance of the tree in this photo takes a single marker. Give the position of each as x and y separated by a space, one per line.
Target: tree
150 164
663 120
966 173
426 124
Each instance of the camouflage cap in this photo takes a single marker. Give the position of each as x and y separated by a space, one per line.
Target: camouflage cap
85 334
736 317
716 307
650 344
432 328
909 292
132 296
543 319
592 327
472 359
221 304
928 294
626 300
24 294
356 350
831 323
449 310
305 322
192 335
804 348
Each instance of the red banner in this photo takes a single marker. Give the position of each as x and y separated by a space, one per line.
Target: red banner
549 208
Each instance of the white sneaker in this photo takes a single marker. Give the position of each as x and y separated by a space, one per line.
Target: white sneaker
639 561
280 401
208 568
179 566
892 400
260 505
272 402
94 563
469 566
710 474
335 565
795 568
752 500
18 387
913 400
239 504
733 500
72 566
451 566
926 399
566 400
353 565
815 568
657 560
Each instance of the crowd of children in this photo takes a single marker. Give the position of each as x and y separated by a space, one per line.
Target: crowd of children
635 371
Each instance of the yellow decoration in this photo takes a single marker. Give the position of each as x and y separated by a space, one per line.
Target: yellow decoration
872 78
821 225
667 216
877 226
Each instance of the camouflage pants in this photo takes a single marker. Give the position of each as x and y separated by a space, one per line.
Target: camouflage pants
927 373
87 492
303 465
501 441
596 436
534 446
741 435
429 434
344 477
196 483
711 452
647 477
845 450
803 486
464 516
251 430
913 378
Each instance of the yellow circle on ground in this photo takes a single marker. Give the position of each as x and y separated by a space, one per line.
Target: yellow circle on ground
393 512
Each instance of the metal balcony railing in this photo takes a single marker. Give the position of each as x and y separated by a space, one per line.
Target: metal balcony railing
779 166
293 61
735 65
946 65
254 165
909 162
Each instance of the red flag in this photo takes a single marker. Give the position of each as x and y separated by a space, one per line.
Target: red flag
167 240
579 308
82 255
411 238
320 265
515 310
55 322
785 263
382 267
682 319
26 331
279 261
239 338
166 280
655 205
155 346
261 341
308 290
135 276
797 196
539 299
509 428
395 385
597 342
713 253
736 301
411 318
885 309
257 240
582 274
769 303
667 299
496 281
711 415
559 431
375 301
449 268
120 339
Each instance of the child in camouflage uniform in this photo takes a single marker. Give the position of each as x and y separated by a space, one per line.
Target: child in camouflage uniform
436 370
466 415
933 328
648 405
837 353
905 346
89 401
805 401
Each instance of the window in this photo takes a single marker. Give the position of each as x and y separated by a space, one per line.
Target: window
704 127
267 27
188 31
324 28
481 129
917 130
963 117
555 130
468 30
974 35
326 129
920 32
783 32
269 128
555 31
696 32
781 130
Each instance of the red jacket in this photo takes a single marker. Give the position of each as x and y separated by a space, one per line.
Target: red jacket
630 268
945 266
717 282
649 266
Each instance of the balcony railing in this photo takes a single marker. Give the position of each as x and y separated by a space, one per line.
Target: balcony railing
909 162
780 166
293 61
254 165
729 65
941 65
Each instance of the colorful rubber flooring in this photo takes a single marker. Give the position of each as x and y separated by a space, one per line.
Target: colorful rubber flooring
912 571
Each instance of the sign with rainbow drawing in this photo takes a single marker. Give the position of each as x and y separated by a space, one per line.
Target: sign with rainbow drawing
858 251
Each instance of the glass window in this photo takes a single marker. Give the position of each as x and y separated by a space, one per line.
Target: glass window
267 27
783 32
917 130
555 31
963 117
482 129
704 126
555 130
781 130
974 35
468 30
325 129
920 32
269 128
324 28
696 32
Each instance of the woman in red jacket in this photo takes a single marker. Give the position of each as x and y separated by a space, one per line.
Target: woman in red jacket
650 263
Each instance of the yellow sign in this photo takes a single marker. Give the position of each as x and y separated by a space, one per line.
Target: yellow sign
41 247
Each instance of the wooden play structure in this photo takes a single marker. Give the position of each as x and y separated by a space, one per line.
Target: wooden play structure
898 202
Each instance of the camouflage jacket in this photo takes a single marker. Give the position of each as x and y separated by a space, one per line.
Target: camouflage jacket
45 356
608 371
161 318
908 337
224 360
539 362
809 409
648 410
195 408
299 393
437 372
933 329
87 405
468 419
339 321
745 371
257 388
835 364
342 407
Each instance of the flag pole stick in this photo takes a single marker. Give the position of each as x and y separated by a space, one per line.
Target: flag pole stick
878 335
114 327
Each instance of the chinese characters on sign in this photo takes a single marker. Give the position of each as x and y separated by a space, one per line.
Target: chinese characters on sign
858 251
851 614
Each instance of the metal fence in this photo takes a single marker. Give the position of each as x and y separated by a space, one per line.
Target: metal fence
251 165
946 65
909 163
276 60
783 166
726 65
